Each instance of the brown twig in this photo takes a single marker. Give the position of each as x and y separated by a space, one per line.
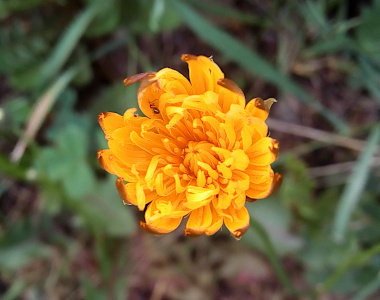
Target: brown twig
40 112
338 168
316 134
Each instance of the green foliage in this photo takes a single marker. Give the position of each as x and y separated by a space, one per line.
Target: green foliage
297 189
246 58
65 162
367 33
102 205
8 7
22 50
355 186
66 57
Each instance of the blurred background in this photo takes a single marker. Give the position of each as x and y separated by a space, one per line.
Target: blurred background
64 232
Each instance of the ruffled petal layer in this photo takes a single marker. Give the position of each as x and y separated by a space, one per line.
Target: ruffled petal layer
198 153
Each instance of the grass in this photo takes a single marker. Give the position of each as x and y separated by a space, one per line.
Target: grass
64 232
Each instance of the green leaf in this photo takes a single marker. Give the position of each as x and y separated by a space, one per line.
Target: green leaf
66 161
297 188
355 186
356 260
270 252
16 111
18 255
276 220
104 211
239 53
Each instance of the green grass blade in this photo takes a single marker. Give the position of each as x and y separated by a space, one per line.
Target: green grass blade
371 78
242 55
231 13
368 289
272 255
355 186
357 260
67 42
15 290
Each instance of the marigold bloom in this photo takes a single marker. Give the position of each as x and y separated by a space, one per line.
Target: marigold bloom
199 152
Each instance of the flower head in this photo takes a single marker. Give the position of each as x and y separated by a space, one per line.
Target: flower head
199 152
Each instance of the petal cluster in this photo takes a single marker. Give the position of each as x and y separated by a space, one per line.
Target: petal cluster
198 153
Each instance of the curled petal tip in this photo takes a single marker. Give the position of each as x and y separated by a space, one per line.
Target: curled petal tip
230 85
187 57
192 232
251 200
101 116
150 229
239 233
101 159
277 180
259 103
100 153
138 77
268 103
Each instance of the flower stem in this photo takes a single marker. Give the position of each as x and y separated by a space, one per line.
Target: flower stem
272 256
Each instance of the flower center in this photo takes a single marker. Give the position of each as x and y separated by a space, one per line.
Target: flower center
199 154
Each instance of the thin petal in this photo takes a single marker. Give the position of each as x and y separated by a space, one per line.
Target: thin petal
198 196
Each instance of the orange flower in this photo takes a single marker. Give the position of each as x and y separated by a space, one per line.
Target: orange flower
199 152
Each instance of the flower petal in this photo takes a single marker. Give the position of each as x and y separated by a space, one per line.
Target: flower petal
236 221
259 108
161 226
263 152
263 190
216 223
200 151
203 73
132 193
109 162
198 196
139 77
229 93
109 122
199 221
